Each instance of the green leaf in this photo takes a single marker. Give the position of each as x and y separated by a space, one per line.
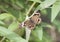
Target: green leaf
46 4
11 35
11 10
57 24
39 1
5 15
55 10
20 4
21 16
38 32
46 37
14 13
14 25
1 22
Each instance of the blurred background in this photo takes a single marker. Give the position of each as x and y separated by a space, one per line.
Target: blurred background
13 12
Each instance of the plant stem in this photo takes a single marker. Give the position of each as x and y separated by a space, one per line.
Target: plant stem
28 31
31 8
2 39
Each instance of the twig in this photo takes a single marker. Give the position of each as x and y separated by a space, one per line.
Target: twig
2 39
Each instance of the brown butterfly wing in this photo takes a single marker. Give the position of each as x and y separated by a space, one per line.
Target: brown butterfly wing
29 24
36 18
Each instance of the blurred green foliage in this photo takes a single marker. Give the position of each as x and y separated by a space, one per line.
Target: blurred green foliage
13 12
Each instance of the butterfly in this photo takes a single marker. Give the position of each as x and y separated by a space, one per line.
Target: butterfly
32 21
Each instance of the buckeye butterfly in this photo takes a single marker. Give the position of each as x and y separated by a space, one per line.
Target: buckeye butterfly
32 21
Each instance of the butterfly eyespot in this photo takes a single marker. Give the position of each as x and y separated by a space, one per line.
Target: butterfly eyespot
31 26
39 20
24 23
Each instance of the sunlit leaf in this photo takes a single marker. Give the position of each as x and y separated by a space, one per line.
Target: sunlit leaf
46 4
55 10
1 22
10 35
57 23
39 1
14 25
5 15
